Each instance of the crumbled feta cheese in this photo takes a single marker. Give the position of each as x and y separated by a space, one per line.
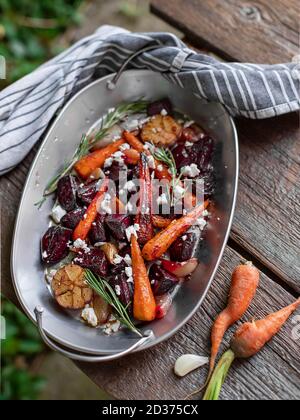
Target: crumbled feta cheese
189 144
160 168
108 162
118 290
162 199
185 153
113 325
58 213
188 124
118 259
45 255
130 186
205 213
191 171
89 315
79 243
129 208
201 223
131 230
150 147
164 112
151 162
130 280
184 238
124 147
128 259
98 244
128 271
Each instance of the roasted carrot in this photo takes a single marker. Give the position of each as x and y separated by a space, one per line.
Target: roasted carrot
157 246
132 157
144 306
84 226
134 142
120 208
248 340
85 166
161 170
143 217
244 284
160 222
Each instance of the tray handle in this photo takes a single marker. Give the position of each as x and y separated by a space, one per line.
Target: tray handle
112 84
148 335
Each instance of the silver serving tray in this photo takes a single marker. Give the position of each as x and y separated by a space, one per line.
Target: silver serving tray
76 118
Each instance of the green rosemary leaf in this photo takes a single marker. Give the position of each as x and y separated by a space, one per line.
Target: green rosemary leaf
87 142
104 289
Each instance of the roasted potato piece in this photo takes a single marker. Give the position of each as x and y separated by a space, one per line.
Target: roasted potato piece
70 289
161 130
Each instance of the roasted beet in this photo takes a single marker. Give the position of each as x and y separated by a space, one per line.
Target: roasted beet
122 288
163 304
71 219
86 193
192 134
159 106
185 247
97 232
117 224
116 172
55 244
185 156
66 192
125 251
161 280
95 260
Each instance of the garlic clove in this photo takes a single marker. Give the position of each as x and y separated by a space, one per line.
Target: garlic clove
188 362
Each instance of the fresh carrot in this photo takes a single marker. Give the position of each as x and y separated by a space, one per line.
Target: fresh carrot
84 226
157 246
144 306
143 218
160 222
248 340
85 166
244 284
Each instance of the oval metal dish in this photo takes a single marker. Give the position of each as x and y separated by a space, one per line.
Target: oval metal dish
77 117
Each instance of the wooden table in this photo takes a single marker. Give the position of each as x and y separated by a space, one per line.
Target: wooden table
266 228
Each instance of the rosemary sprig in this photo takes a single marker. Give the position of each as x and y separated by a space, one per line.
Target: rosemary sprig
104 289
87 142
166 156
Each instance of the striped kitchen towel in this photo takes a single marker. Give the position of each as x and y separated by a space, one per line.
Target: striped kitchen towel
249 90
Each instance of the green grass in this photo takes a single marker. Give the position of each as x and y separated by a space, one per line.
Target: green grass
28 29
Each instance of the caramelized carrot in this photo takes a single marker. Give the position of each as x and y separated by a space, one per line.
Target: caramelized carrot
132 156
84 226
85 166
143 218
248 340
160 222
157 246
144 306
120 208
136 144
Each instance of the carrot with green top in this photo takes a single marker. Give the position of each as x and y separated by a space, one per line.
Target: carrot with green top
86 166
248 340
84 226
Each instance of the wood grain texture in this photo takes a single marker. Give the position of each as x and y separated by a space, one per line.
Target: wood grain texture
267 221
274 374
242 30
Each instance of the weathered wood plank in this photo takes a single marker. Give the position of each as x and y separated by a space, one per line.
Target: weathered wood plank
272 375
267 221
251 31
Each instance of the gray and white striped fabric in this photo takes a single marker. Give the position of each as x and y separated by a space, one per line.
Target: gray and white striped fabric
249 90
